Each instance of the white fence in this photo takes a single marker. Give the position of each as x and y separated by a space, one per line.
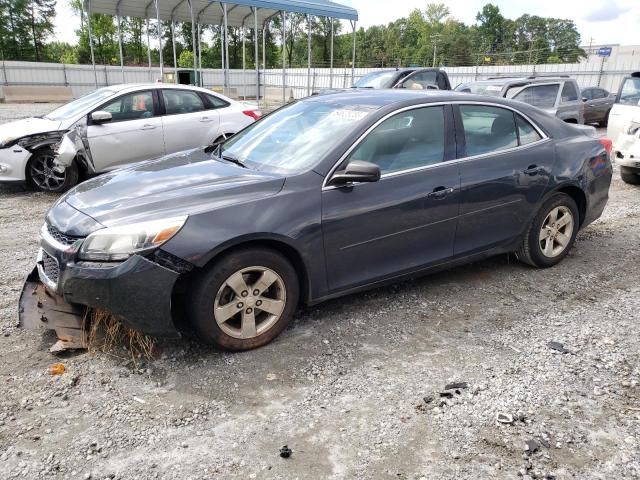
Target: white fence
82 80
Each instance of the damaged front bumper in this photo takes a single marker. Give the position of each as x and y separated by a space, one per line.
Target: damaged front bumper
56 293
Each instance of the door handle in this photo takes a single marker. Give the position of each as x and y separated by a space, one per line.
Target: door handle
533 170
440 192
148 127
206 119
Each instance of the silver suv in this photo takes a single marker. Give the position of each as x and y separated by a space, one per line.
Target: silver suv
558 95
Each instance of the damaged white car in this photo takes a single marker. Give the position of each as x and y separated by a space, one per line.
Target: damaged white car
624 129
113 127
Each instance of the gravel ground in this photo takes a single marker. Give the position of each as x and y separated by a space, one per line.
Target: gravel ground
353 386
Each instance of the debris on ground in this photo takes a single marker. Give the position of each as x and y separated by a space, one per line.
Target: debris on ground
504 418
532 446
285 452
558 347
56 369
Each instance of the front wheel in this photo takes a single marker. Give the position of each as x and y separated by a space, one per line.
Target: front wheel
244 300
42 176
552 232
630 175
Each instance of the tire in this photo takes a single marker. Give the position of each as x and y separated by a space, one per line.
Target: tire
41 176
630 175
212 300
545 244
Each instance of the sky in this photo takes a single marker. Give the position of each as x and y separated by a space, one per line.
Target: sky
598 21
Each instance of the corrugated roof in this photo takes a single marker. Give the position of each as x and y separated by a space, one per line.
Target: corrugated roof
211 13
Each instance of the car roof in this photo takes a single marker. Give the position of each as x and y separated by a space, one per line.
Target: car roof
507 80
148 85
374 99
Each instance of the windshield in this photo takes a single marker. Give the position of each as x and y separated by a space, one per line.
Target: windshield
376 80
77 107
490 89
294 138
630 93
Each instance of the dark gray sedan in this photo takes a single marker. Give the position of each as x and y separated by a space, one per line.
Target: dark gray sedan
324 197
598 103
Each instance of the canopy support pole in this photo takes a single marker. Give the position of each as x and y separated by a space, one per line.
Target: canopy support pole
284 56
193 43
160 40
120 41
244 63
93 58
308 55
200 82
256 53
353 57
173 40
331 58
149 48
226 47
173 46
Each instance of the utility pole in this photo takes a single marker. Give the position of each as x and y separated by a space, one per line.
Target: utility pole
435 38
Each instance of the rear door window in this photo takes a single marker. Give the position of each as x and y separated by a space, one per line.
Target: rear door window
526 133
488 129
541 96
182 101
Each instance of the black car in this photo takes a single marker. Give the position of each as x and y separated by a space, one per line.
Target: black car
324 197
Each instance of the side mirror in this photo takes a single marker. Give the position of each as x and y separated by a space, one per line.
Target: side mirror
100 117
356 171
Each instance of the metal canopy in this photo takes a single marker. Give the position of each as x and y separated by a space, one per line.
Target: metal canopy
211 12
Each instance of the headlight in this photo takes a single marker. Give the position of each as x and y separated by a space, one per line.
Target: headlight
119 243
633 128
7 141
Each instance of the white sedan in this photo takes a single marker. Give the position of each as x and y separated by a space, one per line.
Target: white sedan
119 125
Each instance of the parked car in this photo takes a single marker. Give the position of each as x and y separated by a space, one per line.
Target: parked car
557 95
121 124
324 197
624 129
597 105
409 78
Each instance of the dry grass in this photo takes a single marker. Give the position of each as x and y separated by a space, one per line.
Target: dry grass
104 332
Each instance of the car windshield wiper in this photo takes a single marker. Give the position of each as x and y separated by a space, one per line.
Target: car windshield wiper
230 158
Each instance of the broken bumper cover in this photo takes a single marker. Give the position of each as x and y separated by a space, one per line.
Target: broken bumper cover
138 291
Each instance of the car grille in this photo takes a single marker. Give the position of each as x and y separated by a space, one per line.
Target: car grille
50 267
62 238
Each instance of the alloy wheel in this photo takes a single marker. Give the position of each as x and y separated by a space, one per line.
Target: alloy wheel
250 302
556 232
44 175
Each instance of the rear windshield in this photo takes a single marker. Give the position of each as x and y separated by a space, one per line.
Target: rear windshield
630 93
376 80
490 89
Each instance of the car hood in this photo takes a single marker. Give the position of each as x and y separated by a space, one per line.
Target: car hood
186 183
29 126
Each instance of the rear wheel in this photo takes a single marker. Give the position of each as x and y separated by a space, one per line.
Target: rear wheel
630 175
244 300
42 176
552 232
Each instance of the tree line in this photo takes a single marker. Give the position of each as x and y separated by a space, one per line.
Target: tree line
426 37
